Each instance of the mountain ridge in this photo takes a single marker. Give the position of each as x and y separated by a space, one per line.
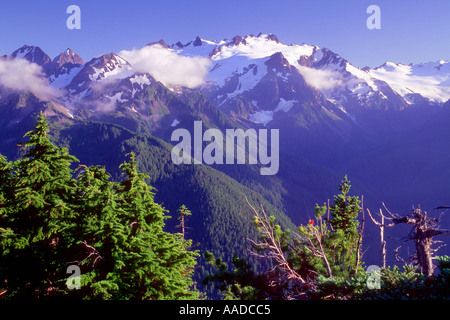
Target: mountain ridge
333 118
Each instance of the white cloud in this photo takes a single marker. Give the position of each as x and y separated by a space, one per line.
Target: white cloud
321 79
22 75
167 66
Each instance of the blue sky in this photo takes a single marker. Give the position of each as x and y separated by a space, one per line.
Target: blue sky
411 31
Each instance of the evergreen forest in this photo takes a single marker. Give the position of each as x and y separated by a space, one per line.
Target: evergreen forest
77 232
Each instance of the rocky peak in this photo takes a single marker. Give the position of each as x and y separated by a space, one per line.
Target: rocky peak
179 45
273 37
237 40
197 42
32 54
279 62
161 42
108 61
270 37
330 58
68 56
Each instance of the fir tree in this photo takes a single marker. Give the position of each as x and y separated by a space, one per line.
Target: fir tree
127 253
113 231
38 215
6 179
183 212
344 236
241 283
344 212
167 270
323 248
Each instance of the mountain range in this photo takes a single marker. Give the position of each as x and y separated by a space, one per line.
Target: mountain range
387 127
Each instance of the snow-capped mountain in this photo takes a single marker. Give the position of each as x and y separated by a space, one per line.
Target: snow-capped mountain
326 109
240 67
98 70
32 54
253 78
256 80
430 80
68 56
64 68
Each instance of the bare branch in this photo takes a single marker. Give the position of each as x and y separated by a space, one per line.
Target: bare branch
93 253
373 219
394 216
361 230
272 244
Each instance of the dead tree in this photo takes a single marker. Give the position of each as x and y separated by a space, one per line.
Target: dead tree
381 225
183 213
361 230
424 229
272 245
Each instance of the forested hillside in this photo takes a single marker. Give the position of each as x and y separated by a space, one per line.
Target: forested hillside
221 222
59 215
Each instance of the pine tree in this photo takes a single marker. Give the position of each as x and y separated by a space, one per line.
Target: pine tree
167 270
345 234
38 216
6 179
344 212
324 248
6 233
183 212
127 254
97 227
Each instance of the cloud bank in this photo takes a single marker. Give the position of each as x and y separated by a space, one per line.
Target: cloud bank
321 79
167 66
22 75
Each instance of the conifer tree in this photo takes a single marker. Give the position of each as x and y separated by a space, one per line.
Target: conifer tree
167 269
6 178
6 233
112 231
183 212
127 253
39 213
97 225
323 248
344 236
345 210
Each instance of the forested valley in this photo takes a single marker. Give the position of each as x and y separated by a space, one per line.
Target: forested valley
77 232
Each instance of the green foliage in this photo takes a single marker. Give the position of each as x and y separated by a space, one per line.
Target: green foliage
394 284
344 235
326 241
221 221
345 210
112 230
239 283
183 212
442 281
337 238
325 251
36 215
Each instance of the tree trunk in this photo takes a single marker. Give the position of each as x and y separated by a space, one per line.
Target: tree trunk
383 243
423 242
